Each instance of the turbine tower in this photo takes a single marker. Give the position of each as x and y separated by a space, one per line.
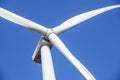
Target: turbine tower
42 53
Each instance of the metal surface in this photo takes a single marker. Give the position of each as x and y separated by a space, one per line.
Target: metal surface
37 53
47 64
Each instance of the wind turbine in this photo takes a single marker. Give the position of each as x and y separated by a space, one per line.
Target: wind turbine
50 38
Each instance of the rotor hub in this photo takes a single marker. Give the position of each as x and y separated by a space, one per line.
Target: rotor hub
49 31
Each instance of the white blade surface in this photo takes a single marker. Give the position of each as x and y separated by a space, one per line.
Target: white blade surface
81 18
22 21
63 49
47 63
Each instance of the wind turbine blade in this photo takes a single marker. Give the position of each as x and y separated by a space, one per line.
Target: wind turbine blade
81 18
63 49
22 21
47 63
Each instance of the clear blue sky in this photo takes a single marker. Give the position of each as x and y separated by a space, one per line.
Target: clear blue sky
96 42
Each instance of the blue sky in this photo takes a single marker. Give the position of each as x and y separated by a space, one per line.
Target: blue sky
96 42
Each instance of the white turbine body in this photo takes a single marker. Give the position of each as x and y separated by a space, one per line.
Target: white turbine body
47 68
42 53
